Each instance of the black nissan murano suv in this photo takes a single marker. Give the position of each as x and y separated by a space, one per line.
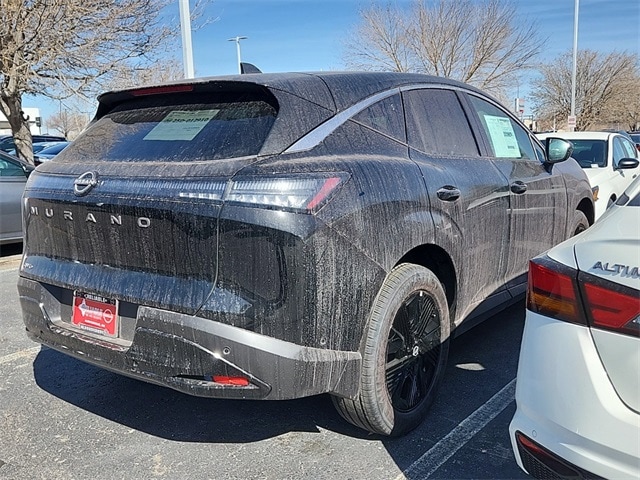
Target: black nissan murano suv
276 236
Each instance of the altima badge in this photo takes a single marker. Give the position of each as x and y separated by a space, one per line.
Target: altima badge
617 269
84 183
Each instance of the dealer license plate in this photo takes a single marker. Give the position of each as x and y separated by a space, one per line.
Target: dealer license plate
95 314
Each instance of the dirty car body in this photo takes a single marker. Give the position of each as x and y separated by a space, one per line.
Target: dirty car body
276 236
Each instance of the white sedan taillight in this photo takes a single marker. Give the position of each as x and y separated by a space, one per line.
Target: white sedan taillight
563 293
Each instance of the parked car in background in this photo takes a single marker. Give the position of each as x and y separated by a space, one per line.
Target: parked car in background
13 177
36 147
624 133
7 143
578 386
50 151
609 159
635 136
296 234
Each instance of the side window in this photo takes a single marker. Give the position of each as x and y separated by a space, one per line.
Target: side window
507 138
10 169
385 116
629 147
540 155
618 151
437 124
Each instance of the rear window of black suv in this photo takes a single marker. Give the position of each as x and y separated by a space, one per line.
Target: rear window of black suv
162 129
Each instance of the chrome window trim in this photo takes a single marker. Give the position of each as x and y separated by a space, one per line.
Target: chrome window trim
322 131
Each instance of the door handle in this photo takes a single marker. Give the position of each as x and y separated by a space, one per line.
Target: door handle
518 187
448 193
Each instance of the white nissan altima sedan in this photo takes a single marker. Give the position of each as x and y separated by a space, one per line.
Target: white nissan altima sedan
578 385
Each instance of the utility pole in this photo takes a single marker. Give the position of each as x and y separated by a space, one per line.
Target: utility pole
572 116
237 40
187 49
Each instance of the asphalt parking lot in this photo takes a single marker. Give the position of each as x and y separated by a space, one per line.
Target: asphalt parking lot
63 419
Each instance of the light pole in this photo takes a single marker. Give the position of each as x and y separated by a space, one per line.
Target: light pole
575 61
237 40
187 50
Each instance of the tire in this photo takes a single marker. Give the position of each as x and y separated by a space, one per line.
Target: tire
579 224
406 345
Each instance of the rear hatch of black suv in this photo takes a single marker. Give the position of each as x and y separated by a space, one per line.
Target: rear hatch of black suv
127 214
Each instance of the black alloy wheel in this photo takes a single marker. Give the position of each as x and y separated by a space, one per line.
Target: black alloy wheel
404 355
413 352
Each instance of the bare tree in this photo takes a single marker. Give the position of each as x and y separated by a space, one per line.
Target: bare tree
380 41
479 42
623 109
601 79
69 124
165 71
63 48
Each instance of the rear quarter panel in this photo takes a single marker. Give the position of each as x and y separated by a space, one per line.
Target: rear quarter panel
579 194
376 217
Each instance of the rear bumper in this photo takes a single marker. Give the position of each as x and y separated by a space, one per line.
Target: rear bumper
184 352
567 404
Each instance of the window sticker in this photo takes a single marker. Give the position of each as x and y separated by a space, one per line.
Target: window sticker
503 138
181 125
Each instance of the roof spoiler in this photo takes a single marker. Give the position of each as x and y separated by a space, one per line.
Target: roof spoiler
248 68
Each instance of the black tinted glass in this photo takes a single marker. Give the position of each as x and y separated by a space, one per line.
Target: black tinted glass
197 127
539 152
385 116
437 124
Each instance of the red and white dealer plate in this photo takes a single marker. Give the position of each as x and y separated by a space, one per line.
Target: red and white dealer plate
95 314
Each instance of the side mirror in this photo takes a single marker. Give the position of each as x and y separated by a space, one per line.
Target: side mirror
27 170
557 149
627 163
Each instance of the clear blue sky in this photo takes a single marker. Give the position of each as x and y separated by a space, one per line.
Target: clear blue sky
308 35
303 35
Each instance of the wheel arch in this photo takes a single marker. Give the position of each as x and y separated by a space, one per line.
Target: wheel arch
586 207
436 259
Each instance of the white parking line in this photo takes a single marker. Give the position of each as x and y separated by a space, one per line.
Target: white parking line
442 451
29 353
